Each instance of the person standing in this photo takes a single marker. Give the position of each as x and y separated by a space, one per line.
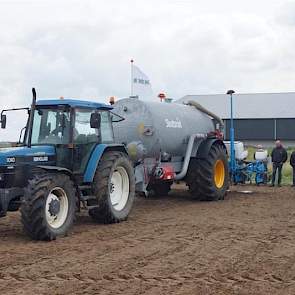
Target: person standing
278 157
292 163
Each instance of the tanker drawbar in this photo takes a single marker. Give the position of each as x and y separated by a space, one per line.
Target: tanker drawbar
171 141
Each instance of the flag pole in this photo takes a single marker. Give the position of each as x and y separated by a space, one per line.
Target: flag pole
131 61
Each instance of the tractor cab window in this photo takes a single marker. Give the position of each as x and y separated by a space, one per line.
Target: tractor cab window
106 128
51 126
84 133
86 136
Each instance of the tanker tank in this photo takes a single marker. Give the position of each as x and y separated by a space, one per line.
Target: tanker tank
160 127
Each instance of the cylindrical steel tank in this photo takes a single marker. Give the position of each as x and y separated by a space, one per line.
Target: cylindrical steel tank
160 127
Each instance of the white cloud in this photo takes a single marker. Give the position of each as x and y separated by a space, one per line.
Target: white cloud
82 48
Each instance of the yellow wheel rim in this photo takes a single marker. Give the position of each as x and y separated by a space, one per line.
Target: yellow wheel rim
219 173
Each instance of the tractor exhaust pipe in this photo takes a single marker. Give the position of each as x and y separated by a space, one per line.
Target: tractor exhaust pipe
31 118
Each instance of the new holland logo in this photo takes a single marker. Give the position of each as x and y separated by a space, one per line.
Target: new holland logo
40 159
173 123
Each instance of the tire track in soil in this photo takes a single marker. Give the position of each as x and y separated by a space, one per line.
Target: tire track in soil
170 245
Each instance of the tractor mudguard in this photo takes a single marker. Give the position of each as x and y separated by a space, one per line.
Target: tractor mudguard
96 155
56 168
205 146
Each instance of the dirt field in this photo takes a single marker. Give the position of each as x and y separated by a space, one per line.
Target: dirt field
172 245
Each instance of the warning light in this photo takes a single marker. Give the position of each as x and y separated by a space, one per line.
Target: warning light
168 172
112 100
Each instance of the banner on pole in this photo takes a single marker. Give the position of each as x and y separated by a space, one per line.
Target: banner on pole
141 85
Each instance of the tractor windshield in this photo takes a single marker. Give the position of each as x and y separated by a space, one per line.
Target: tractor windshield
51 126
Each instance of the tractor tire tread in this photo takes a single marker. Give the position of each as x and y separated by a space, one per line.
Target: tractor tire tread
32 210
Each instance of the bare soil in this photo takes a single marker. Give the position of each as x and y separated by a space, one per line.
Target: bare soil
169 245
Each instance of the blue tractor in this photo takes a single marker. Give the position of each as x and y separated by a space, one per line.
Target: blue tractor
67 159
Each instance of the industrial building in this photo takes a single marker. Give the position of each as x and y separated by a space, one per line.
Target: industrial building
259 118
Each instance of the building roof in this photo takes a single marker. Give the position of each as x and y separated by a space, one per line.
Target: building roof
74 103
248 106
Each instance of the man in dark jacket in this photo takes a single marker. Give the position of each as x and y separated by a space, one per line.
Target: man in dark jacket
292 163
278 157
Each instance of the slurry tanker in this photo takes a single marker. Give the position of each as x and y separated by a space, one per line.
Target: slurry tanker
170 142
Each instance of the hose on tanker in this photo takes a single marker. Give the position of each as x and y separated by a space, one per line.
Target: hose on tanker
205 111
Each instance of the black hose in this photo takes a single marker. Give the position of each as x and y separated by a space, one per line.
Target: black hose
205 111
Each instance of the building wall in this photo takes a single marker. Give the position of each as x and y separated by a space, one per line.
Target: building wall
268 143
250 105
262 129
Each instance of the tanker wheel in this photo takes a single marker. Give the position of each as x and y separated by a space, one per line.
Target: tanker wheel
114 187
49 206
208 178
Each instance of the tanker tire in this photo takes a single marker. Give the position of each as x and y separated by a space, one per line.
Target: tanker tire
193 179
110 163
200 178
33 210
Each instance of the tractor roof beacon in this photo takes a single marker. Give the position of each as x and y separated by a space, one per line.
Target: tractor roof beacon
67 157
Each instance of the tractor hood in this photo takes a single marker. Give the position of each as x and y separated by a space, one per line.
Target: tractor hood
34 154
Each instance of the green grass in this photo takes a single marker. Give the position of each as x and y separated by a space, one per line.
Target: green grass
287 175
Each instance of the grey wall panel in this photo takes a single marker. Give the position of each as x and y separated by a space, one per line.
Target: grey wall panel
251 129
286 129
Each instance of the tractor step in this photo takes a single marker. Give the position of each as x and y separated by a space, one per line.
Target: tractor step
84 187
87 198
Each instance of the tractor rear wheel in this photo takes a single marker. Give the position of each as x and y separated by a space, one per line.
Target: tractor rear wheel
114 187
49 206
208 178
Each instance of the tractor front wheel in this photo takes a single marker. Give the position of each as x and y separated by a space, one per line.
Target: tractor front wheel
49 206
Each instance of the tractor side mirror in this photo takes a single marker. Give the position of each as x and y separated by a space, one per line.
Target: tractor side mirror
95 120
3 121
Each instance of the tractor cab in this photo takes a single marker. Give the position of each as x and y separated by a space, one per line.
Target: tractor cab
73 127
60 133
